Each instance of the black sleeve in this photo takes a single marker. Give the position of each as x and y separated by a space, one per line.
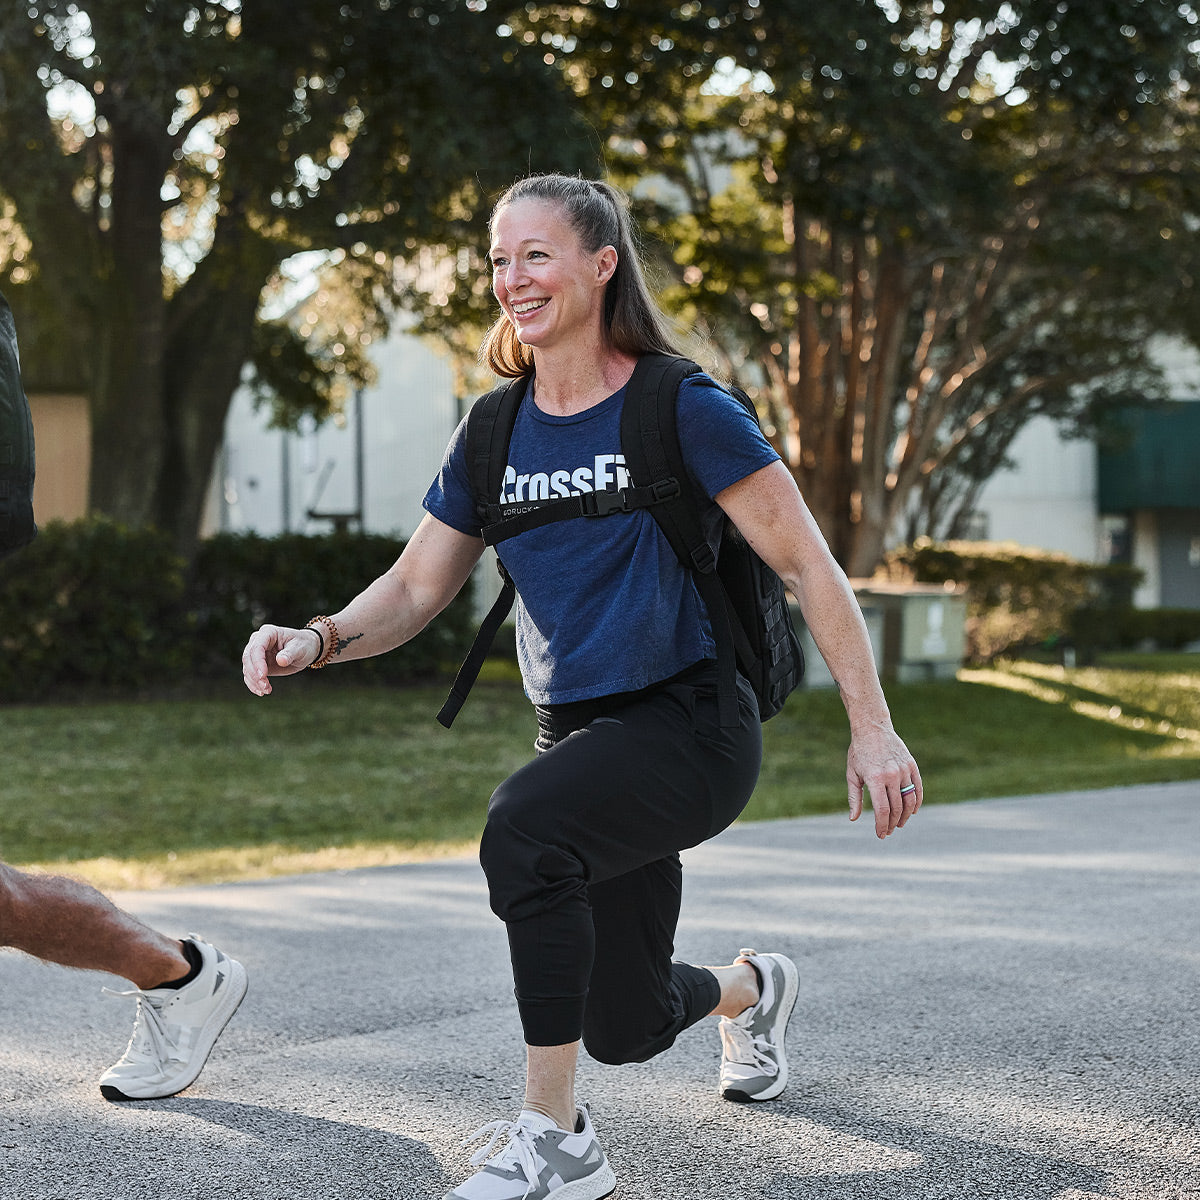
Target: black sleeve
17 526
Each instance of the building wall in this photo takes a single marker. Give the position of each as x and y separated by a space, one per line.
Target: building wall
1179 557
1181 362
1146 557
1048 499
62 455
269 481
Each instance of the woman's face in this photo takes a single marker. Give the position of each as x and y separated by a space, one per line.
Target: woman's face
548 286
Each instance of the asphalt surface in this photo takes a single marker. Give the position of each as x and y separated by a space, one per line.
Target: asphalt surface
1001 1001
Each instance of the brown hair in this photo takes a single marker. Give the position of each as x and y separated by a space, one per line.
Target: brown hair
599 215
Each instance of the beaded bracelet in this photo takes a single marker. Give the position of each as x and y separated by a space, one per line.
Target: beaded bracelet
327 651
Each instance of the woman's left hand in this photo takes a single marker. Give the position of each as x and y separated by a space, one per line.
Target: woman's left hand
879 763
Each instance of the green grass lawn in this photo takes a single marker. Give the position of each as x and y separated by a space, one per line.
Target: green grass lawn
324 775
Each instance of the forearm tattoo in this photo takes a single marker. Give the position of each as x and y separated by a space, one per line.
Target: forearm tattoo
343 642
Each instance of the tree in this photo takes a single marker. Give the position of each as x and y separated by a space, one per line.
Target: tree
909 227
163 158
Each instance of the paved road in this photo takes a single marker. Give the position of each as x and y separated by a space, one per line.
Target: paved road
1000 1002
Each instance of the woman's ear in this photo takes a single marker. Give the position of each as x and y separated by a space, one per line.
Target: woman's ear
606 264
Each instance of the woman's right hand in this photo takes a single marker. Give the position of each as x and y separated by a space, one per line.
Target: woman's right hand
277 650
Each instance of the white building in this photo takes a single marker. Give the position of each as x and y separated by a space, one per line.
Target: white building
1048 499
1140 505
367 470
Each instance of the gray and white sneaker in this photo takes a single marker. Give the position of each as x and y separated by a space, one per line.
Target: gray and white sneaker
754 1059
531 1158
175 1029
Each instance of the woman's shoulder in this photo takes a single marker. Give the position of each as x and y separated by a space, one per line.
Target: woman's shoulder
716 427
702 391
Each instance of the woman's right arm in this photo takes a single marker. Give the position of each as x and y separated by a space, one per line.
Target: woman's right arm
428 574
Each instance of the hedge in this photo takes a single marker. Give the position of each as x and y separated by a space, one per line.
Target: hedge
93 605
90 603
1017 597
1095 628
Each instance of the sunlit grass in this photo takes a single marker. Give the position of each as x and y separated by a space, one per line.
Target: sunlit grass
320 777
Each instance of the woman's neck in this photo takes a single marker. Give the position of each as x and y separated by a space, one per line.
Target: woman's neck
568 384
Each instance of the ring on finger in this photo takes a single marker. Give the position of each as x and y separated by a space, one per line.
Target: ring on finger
912 787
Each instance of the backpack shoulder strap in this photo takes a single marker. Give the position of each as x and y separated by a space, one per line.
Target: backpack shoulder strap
495 422
489 430
650 443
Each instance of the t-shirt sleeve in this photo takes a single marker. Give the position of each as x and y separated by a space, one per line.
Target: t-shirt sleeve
721 441
449 497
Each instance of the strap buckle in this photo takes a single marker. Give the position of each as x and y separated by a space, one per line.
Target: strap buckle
603 504
627 500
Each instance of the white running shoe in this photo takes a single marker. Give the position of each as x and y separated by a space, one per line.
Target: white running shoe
531 1158
754 1060
175 1029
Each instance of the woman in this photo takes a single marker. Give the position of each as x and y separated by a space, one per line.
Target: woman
581 846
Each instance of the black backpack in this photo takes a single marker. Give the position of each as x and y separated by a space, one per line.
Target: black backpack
17 527
745 599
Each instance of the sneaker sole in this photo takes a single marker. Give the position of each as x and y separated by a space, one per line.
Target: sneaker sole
235 993
595 1187
791 988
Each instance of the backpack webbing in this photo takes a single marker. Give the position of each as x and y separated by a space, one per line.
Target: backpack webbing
496 410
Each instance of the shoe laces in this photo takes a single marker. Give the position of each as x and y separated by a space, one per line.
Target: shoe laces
518 1149
749 1049
150 1040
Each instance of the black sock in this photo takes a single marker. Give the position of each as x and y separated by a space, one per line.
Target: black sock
195 962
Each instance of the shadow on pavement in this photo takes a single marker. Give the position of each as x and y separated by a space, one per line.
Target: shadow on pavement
933 1166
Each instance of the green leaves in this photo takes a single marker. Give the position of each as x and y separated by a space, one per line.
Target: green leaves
164 157
910 226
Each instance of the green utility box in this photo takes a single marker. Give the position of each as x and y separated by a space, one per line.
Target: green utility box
924 628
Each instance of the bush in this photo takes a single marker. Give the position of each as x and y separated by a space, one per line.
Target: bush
1123 628
93 605
1017 597
241 580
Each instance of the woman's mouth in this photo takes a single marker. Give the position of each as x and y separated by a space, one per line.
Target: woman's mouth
527 307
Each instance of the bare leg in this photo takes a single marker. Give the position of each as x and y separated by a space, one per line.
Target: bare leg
68 922
740 988
550 1082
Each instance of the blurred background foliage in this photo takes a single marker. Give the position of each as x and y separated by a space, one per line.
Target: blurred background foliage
907 228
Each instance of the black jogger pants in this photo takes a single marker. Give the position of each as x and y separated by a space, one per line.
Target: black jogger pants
581 852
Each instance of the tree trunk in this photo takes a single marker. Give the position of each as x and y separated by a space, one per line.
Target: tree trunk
211 331
127 393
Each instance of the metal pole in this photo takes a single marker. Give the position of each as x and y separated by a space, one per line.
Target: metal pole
285 488
359 459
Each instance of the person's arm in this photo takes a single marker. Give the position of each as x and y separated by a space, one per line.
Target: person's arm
429 573
769 511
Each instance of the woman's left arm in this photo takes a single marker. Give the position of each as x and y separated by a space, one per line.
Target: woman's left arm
768 509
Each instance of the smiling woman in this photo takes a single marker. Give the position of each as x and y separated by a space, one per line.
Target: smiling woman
547 284
587 223
645 747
